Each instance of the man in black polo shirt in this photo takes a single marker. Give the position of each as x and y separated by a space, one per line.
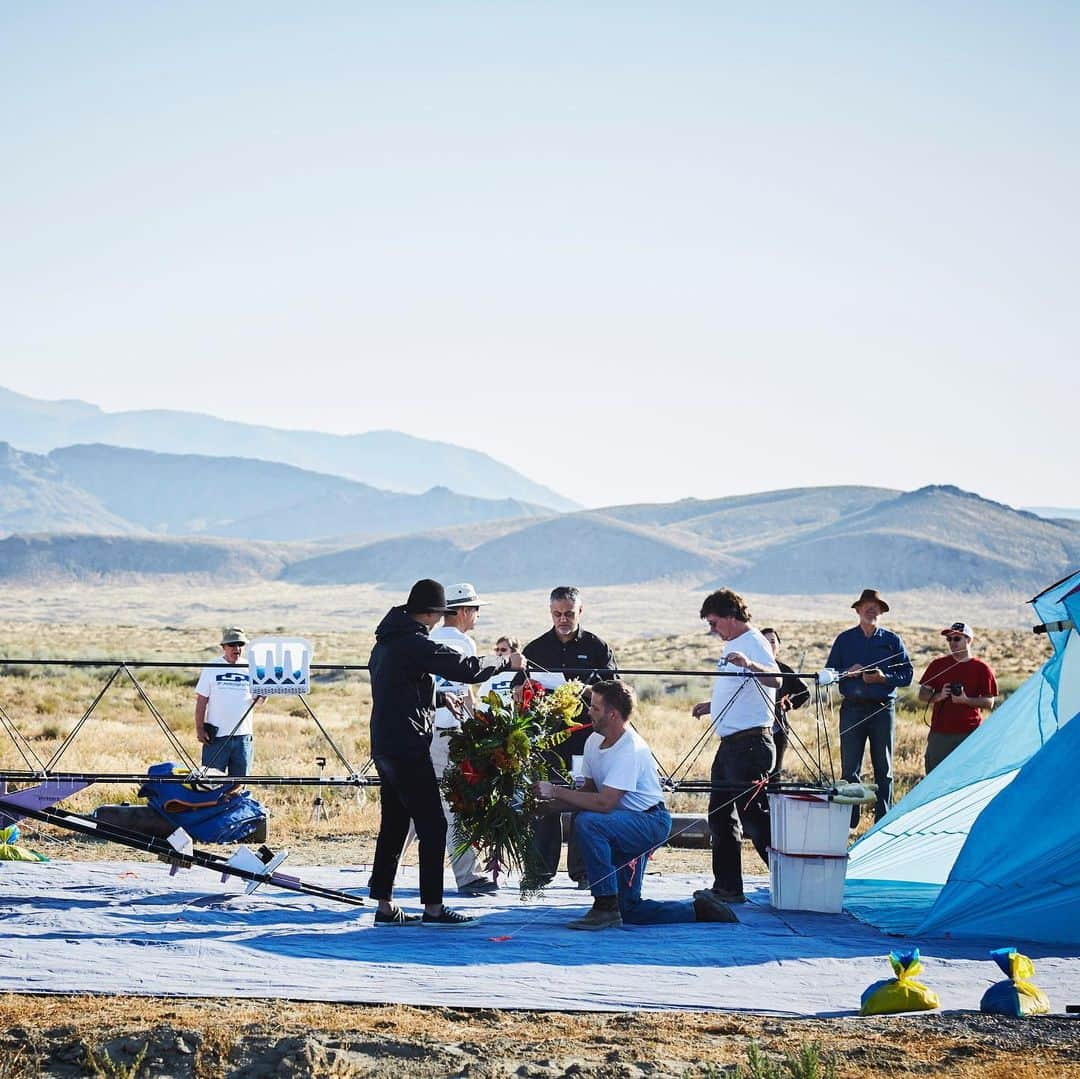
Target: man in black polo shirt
563 648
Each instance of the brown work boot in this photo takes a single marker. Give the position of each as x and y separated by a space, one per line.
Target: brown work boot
709 907
597 919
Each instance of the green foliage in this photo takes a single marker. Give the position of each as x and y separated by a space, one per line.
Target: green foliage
495 757
806 1062
100 1065
169 676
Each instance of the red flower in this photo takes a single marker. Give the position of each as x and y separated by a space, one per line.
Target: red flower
530 692
471 775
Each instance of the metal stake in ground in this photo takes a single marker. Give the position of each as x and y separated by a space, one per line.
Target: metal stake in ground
318 806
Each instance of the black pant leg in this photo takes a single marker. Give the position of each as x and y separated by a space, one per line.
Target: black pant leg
725 828
780 739
547 839
393 828
416 789
754 759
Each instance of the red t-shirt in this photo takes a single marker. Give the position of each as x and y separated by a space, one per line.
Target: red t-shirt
977 679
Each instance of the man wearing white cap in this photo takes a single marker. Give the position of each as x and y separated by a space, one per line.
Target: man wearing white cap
960 687
463 610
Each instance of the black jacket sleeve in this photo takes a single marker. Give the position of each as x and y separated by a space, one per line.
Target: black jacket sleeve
434 658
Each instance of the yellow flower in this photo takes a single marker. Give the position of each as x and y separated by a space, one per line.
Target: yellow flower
566 700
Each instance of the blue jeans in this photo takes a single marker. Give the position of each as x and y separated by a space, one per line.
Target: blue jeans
233 754
616 847
873 721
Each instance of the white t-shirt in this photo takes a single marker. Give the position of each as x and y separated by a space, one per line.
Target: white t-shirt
459 642
229 694
627 766
752 704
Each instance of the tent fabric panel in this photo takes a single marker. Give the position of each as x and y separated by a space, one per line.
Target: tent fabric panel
922 845
1019 872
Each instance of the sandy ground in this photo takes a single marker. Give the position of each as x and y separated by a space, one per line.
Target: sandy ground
59 1036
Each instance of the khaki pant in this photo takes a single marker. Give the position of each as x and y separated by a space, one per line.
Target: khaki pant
465 868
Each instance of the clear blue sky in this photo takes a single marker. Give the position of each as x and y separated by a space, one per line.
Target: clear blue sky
638 251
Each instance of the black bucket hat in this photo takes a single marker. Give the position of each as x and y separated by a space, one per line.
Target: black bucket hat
426 597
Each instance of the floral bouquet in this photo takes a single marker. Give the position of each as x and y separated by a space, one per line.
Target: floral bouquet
495 757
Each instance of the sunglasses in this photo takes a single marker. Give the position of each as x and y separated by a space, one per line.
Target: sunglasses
956 637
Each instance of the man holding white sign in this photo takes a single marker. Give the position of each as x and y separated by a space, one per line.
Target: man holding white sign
223 707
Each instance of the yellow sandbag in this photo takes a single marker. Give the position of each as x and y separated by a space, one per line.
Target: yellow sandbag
902 993
1018 995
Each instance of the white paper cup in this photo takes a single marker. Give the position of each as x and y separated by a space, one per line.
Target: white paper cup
577 769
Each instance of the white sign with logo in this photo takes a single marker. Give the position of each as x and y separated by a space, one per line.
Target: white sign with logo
279 666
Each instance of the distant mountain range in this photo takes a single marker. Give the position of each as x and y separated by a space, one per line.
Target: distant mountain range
106 489
1071 513
799 541
385 459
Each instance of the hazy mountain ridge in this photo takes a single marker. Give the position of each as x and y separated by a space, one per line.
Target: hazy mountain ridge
388 460
35 496
796 541
937 536
75 557
109 489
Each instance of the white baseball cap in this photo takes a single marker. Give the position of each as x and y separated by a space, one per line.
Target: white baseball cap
959 627
463 595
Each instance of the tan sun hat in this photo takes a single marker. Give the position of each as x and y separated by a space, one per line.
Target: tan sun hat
233 635
870 595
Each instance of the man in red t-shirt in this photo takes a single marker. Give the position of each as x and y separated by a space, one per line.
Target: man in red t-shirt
960 686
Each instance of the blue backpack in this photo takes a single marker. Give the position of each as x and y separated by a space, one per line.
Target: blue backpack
208 810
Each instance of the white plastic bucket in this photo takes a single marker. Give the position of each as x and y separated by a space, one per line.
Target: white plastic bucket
808 824
807 882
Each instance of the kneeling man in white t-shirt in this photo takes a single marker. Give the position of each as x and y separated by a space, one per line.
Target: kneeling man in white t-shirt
621 819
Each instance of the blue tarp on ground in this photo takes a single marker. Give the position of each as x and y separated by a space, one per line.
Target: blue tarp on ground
130 928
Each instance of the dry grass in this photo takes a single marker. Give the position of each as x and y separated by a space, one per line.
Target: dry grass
121 736
695 1042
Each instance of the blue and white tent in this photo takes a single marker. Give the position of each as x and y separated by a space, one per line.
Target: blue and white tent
988 845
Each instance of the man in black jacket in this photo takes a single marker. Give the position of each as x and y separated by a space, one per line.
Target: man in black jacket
403 702
563 648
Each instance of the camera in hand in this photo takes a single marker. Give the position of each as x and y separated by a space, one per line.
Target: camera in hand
956 689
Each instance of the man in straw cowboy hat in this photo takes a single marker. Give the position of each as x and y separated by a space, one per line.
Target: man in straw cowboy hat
872 663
